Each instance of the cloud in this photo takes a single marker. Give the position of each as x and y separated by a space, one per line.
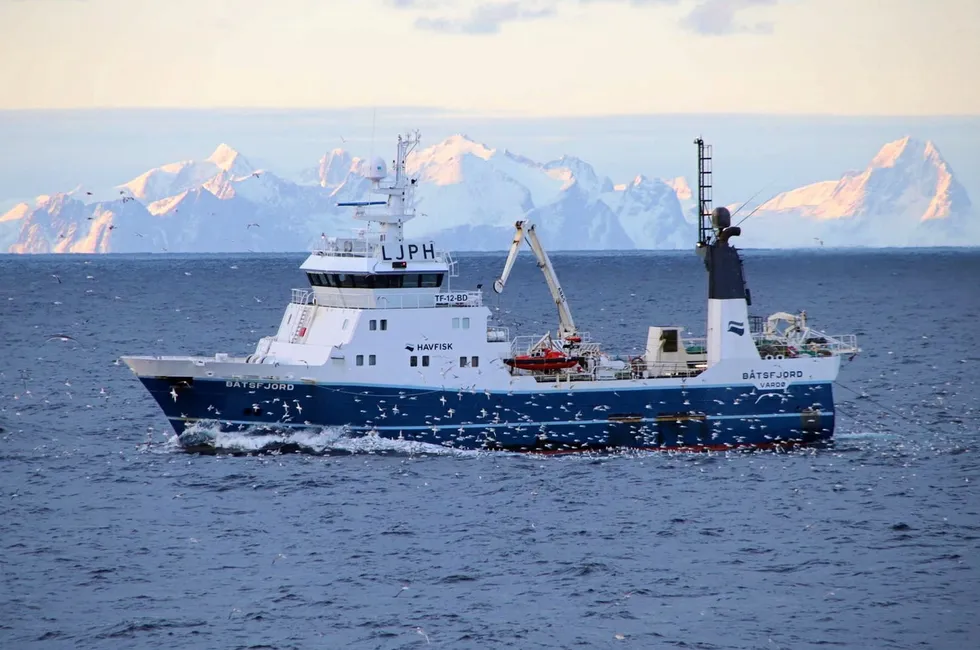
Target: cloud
718 18
707 17
484 18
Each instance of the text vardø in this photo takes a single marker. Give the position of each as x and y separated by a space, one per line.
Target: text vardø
772 374
434 346
258 385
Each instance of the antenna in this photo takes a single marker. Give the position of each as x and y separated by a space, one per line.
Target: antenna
749 200
374 119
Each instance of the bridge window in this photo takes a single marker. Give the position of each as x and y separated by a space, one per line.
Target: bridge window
386 281
430 280
360 360
372 360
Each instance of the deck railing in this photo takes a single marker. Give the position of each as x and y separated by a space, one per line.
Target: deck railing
302 297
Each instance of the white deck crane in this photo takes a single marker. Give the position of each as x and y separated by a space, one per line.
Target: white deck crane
525 229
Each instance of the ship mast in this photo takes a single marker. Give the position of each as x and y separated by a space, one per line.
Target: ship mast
704 193
401 193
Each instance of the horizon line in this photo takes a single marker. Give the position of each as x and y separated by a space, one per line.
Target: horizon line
584 251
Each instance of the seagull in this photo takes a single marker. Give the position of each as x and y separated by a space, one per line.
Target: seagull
55 276
61 337
250 225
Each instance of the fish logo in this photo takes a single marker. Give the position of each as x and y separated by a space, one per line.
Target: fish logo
736 327
410 348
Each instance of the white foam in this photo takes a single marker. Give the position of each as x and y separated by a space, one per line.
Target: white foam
317 440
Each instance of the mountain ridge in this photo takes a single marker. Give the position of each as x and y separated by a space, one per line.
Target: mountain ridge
468 196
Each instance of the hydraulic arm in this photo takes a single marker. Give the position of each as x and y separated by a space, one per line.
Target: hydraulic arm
525 229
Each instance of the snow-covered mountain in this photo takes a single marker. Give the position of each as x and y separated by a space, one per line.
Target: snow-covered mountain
907 196
174 178
469 196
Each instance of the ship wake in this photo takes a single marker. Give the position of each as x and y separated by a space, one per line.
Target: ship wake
207 437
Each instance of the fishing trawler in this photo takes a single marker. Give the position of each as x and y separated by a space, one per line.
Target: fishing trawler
381 343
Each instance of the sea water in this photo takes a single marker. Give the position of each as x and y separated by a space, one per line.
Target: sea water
111 537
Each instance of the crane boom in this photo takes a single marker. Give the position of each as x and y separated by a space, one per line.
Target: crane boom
498 284
566 325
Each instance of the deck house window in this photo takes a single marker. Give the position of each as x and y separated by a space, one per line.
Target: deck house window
372 281
372 360
475 362
466 323
413 361
462 362
669 337
360 360
384 324
372 325
455 323
425 359
430 280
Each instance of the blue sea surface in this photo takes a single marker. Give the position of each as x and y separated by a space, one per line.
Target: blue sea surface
111 537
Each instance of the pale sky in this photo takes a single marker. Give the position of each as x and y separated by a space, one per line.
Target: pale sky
529 57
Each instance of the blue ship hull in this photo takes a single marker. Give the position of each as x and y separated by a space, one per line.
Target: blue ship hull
673 418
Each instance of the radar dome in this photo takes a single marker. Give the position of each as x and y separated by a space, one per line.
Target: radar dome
721 218
376 169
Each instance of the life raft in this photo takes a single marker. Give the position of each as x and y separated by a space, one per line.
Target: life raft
548 360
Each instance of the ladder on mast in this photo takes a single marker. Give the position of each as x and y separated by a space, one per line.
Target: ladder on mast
704 192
